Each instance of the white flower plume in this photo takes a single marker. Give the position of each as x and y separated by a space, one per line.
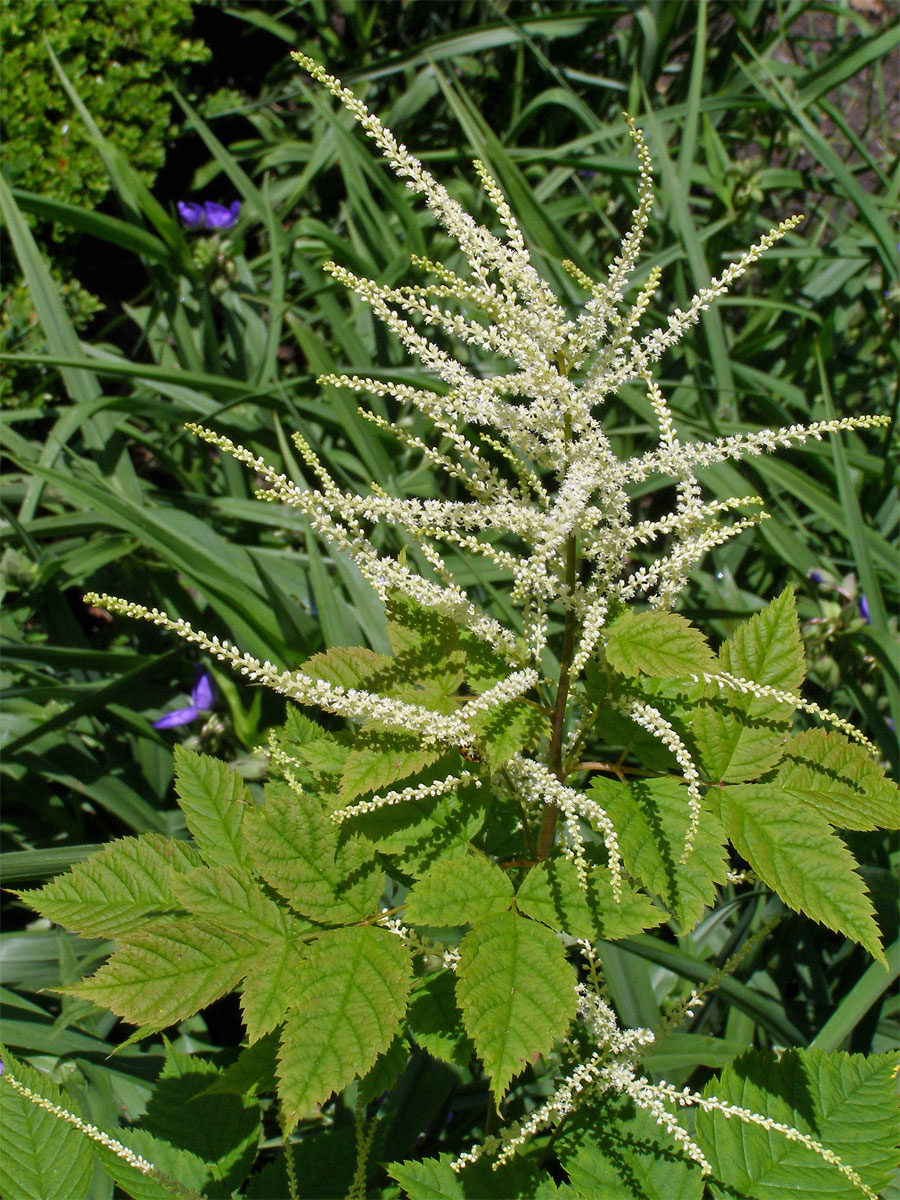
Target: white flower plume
537 490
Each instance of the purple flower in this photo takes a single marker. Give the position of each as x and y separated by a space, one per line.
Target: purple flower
208 215
864 608
816 577
202 699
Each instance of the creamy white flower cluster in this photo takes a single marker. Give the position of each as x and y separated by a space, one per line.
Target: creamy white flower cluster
545 498
535 782
614 1067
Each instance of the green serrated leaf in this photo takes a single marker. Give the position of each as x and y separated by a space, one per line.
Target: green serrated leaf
846 1102
387 1070
430 1179
419 636
840 780
796 853
347 666
483 668
323 1165
740 736
614 1150
662 644
252 1073
212 797
324 759
516 993
223 1130
178 1167
505 730
521 1178
169 972
382 757
299 730
311 757
428 663
651 819
267 988
435 1020
459 891
435 1179
233 899
295 848
551 893
115 890
418 832
43 1157
350 993
616 729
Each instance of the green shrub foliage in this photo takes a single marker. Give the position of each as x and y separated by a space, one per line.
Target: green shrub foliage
118 57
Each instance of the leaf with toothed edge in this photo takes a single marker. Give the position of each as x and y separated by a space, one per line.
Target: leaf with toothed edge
212 797
662 644
740 736
796 853
349 997
117 889
516 993
846 1102
168 972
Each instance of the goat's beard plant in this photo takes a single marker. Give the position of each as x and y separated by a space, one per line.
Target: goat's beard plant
447 869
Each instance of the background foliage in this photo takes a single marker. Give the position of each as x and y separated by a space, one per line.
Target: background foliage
752 111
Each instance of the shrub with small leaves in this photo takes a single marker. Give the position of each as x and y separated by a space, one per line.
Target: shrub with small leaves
118 57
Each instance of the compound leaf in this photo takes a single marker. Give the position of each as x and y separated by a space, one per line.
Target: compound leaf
516 993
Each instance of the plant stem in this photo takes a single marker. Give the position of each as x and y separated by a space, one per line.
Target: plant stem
557 720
